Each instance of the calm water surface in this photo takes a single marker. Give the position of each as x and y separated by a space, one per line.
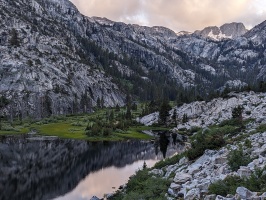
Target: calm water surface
47 168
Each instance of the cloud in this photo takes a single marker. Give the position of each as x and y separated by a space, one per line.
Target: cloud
177 14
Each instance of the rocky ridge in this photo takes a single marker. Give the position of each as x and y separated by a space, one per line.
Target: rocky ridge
191 179
203 114
231 30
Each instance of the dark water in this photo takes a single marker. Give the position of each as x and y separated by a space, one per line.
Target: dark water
67 169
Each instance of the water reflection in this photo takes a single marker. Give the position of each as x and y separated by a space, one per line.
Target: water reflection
104 181
46 169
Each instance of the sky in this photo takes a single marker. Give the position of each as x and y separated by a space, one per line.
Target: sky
178 15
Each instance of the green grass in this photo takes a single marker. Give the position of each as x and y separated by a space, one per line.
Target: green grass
73 127
135 132
62 130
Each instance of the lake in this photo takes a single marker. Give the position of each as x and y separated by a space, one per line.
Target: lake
39 168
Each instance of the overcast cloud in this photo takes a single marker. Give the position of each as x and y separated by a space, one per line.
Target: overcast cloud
178 15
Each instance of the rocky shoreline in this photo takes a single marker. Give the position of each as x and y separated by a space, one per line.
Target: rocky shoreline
192 179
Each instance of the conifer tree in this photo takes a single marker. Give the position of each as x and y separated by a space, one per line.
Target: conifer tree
164 111
14 40
128 113
185 118
174 116
237 113
98 103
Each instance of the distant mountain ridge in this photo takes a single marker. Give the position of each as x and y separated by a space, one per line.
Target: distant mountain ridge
230 30
56 61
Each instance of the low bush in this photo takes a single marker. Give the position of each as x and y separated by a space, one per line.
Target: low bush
226 186
169 161
207 140
144 186
230 122
248 143
256 183
195 129
261 128
237 158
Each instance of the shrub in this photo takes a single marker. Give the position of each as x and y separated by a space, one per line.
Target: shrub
261 128
226 186
248 143
230 122
95 130
237 158
144 186
168 161
237 113
195 129
256 182
212 139
218 188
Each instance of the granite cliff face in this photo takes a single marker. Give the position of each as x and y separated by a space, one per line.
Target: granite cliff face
55 60
41 70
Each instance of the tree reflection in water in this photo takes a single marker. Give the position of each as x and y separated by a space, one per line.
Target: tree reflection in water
45 169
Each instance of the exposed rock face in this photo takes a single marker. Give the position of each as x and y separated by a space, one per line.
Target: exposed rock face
41 69
192 179
231 30
203 114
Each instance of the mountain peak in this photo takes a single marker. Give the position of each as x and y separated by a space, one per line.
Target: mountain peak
228 30
257 34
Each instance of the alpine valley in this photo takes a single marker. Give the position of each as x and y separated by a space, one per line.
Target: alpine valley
53 58
190 105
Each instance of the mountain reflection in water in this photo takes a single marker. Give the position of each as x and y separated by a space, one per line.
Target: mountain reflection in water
46 169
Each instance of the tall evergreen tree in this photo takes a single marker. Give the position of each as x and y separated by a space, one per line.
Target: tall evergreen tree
98 103
14 40
128 113
185 118
164 112
237 113
174 116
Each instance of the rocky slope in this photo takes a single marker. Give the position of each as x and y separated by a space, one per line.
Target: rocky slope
203 114
191 179
41 70
53 59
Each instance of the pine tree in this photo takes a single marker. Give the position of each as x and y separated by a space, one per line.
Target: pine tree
112 115
14 40
164 111
185 118
128 100
117 108
237 113
98 103
128 113
144 165
174 116
3 103
102 102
